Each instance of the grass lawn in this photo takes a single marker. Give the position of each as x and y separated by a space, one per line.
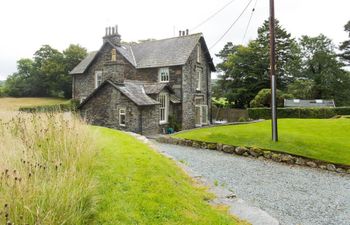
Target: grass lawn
139 186
12 104
323 139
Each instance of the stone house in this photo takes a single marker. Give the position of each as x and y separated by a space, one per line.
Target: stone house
145 87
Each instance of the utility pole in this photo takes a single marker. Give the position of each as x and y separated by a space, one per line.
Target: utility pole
273 72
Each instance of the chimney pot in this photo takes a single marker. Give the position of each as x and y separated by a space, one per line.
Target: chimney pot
106 31
183 33
187 31
116 29
179 33
113 32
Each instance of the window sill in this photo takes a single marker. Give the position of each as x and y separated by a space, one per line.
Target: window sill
163 122
163 81
121 125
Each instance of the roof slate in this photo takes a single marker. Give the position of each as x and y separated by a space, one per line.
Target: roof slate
84 64
134 91
158 53
166 52
154 88
308 103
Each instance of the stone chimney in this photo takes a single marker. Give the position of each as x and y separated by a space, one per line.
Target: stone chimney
184 32
112 35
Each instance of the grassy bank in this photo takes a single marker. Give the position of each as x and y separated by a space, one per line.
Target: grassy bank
326 139
54 169
139 186
11 104
46 170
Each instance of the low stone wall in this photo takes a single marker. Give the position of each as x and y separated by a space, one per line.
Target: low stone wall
257 153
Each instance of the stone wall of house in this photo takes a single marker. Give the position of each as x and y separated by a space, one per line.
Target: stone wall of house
151 75
189 87
84 84
103 110
150 120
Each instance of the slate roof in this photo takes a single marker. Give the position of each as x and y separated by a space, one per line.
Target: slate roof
308 103
166 52
134 91
84 64
154 88
158 53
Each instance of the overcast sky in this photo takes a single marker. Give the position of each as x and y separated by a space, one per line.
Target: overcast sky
28 24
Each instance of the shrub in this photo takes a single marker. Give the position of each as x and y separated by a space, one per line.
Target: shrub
263 98
320 113
46 165
242 119
63 107
174 124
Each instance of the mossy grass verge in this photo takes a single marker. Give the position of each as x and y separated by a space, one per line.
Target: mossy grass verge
326 140
140 186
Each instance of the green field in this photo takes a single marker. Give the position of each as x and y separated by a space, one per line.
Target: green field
12 104
137 185
323 139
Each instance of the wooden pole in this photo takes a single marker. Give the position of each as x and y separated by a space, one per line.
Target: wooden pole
273 72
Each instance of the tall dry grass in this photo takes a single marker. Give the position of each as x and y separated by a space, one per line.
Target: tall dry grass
46 165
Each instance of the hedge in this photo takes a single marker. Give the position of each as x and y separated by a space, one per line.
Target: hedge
319 113
63 107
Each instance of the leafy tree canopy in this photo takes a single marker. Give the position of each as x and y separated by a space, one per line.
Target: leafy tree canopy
46 74
345 46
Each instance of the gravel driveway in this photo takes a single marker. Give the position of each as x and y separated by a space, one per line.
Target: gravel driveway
292 194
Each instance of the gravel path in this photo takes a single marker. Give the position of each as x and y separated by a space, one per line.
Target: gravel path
292 194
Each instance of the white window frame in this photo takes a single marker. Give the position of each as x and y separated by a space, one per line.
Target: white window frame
98 78
199 51
199 80
203 112
163 75
122 112
163 108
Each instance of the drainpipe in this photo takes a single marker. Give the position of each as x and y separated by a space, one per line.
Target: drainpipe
208 96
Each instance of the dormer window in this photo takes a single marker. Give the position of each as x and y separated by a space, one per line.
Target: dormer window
199 52
163 74
113 55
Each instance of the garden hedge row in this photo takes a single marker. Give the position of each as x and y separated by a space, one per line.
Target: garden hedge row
319 113
63 107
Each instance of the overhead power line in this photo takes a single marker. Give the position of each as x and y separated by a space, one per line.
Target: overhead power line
234 22
250 18
213 15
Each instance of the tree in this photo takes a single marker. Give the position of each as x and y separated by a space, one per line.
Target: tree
320 64
263 98
47 74
48 63
302 89
71 57
245 69
345 46
287 54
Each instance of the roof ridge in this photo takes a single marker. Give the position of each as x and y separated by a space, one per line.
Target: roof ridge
195 34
